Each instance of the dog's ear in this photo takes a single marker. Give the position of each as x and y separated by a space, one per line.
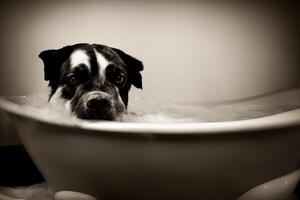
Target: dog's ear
134 67
53 60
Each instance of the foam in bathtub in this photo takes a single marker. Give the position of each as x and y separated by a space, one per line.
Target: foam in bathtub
38 102
142 110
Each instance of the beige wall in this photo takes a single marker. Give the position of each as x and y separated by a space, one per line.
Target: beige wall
192 51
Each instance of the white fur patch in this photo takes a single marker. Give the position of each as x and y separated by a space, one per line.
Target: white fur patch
56 97
119 98
80 57
57 100
68 106
102 63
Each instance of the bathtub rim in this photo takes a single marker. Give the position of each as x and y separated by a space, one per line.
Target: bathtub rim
280 120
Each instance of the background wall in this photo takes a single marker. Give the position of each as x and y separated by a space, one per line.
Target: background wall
205 51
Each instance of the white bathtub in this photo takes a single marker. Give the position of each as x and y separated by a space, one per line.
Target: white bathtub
151 161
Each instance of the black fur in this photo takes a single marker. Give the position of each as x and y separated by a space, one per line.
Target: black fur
78 82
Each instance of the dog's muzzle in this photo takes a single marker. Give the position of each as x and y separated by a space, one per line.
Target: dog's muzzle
98 105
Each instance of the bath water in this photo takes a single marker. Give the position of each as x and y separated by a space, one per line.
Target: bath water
145 110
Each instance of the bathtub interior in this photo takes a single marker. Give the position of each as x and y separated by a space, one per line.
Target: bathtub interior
277 109
142 110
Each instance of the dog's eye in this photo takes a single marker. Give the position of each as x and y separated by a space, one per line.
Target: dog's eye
119 79
72 80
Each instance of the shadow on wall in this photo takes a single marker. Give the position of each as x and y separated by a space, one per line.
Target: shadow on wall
222 50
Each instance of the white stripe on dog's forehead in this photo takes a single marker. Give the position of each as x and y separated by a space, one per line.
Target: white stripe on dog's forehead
80 57
102 63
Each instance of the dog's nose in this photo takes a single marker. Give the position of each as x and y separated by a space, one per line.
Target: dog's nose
100 104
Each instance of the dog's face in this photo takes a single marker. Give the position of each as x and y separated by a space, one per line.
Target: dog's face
93 80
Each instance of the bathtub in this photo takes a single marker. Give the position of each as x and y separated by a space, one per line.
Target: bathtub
248 159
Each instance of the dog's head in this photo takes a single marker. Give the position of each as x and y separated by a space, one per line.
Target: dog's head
93 80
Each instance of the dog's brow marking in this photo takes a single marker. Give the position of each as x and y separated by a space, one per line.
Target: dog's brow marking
102 63
80 57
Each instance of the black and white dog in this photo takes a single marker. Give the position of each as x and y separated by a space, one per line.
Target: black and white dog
93 80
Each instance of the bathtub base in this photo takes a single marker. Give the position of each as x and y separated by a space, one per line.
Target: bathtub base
278 189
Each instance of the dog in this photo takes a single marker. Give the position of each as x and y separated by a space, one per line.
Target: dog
92 80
